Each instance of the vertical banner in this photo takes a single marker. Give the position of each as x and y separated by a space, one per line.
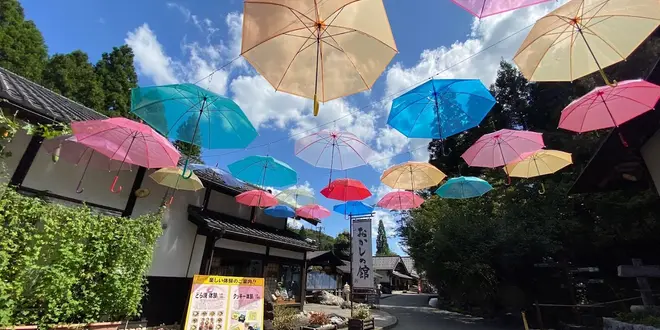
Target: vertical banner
225 303
362 258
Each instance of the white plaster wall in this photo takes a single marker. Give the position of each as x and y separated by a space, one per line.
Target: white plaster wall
651 153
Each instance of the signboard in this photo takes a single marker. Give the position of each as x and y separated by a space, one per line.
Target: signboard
362 258
225 303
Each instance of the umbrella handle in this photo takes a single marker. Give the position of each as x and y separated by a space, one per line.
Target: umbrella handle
114 185
185 168
542 191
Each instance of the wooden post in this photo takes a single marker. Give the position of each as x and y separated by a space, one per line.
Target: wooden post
641 272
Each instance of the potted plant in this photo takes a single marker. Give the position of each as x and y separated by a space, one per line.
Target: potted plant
361 318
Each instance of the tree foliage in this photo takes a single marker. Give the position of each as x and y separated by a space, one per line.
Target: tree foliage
22 47
382 247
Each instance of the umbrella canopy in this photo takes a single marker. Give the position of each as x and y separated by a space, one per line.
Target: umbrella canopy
313 211
412 176
346 190
502 147
333 150
400 200
353 208
225 176
280 211
485 8
609 106
539 163
189 113
320 50
258 198
584 36
68 148
463 187
171 177
440 108
263 170
296 197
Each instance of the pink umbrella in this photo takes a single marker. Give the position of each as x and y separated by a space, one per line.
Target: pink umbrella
258 198
400 200
333 150
610 106
128 141
312 211
68 148
484 8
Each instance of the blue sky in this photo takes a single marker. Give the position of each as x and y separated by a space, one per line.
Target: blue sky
183 41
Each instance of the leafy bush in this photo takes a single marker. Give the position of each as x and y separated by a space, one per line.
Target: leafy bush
63 264
361 312
287 318
318 318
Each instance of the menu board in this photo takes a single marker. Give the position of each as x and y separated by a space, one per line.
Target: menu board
225 303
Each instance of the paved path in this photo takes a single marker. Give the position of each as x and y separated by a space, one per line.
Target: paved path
414 313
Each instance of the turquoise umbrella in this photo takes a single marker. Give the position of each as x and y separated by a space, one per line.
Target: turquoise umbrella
264 171
463 187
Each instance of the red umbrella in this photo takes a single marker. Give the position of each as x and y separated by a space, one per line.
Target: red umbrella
346 190
400 200
257 198
312 211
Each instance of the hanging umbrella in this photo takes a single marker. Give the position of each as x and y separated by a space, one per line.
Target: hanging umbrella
584 36
353 208
463 187
485 8
296 197
400 200
440 108
263 170
68 148
539 163
171 178
313 211
189 113
321 50
258 198
225 176
412 176
333 150
346 190
280 211
610 106
128 141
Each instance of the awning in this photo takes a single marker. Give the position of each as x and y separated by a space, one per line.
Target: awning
399 275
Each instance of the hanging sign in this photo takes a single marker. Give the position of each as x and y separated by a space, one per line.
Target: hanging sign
225 303
362 258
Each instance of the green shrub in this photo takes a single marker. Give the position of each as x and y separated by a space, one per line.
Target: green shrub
63 264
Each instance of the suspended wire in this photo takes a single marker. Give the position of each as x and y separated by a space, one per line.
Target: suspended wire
382 100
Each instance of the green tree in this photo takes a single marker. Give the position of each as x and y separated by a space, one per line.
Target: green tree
73 76
22 47
116 73
382 247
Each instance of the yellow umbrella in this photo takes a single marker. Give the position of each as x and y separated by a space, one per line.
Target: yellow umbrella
171 177
412 176
318 49
537 163
584 36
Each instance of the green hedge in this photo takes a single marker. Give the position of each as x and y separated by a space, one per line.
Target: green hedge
63 264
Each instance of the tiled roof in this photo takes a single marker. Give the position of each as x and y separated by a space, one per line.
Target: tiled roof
246 229
47 105
410 265
386 263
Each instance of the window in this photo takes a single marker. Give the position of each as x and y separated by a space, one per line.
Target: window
283 282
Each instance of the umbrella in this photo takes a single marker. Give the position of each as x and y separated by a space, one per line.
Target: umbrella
67 147
225 176
263 170
258 198
333 150
584 36
440 108
321 50
128 141
485 8
353 208
610 106
502 147
412 175
400 200
539 163
463 187
189 113
313 211
346 190
171 178
296 197
280 211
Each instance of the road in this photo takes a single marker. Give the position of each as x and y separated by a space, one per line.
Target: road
413 312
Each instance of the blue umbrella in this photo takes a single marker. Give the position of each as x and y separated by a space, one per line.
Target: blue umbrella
441 108
225 176
463 187
353 208
264 171
280 211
